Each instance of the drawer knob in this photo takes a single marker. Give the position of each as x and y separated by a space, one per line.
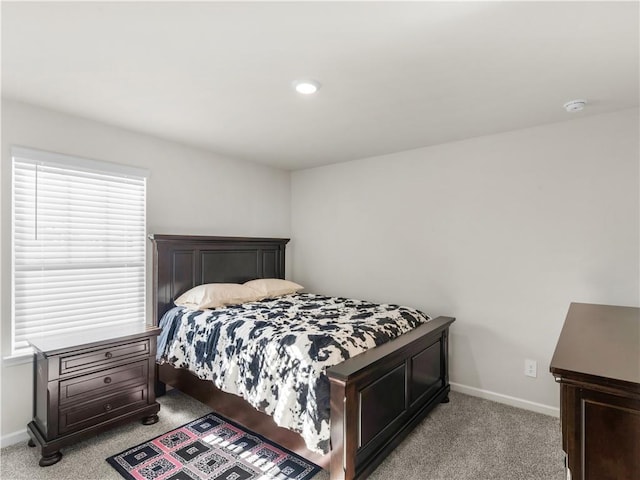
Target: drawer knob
108 407
107 379
108 354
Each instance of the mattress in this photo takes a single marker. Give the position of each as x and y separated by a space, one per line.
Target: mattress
275 353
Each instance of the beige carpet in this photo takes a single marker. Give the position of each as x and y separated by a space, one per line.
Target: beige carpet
466 439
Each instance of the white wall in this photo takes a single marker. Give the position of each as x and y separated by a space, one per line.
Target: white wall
189 192
502 232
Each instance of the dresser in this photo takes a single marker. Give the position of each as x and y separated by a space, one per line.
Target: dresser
597 363
87 382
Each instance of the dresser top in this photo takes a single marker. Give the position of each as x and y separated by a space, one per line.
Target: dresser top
599 341
54 344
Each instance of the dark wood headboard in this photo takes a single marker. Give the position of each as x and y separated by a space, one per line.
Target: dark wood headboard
181 262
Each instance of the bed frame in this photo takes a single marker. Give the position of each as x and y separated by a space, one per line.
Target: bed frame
377 397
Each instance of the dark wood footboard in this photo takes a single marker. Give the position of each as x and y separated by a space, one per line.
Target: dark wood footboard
379 396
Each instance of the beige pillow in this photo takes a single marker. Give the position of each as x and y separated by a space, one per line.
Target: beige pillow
273 287
214 295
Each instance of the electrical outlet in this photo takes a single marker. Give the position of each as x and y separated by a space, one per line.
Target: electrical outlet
530 368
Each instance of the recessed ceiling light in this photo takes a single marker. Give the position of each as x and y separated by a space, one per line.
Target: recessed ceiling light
306 87
575 105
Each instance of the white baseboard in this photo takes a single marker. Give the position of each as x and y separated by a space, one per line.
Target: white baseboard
506 399
13 438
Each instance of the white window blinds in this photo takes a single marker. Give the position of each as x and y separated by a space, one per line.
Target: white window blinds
78 244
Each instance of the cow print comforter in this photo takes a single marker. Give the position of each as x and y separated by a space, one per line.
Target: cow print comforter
275 353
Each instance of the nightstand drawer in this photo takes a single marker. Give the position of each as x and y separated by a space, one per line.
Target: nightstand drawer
102 356
102 383
91 413
90 381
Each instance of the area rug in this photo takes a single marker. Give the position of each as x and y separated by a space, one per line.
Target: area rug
211 448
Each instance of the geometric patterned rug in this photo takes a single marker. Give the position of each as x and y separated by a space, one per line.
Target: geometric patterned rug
211 448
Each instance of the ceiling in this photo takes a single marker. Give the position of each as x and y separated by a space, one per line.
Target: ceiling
395 76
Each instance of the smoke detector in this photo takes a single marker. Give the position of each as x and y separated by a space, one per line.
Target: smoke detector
574 105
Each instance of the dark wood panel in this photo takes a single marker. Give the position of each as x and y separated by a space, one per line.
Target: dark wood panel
41 399
270 264
104 382
103 356
183 273
611 437
381 403
426 371
230 266
110 406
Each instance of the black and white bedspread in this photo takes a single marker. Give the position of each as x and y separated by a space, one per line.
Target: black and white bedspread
275 353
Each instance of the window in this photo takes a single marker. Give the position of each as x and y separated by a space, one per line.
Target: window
78 245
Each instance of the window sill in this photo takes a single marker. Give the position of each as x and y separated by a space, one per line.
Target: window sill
18 359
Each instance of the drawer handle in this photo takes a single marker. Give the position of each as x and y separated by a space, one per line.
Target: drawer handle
107 379
108 407
108 354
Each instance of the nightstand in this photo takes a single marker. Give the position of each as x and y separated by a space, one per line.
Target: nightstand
90 381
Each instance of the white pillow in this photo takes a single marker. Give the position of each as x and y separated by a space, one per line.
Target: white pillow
214 295
273 287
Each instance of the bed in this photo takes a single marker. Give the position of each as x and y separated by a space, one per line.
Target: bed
376 397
